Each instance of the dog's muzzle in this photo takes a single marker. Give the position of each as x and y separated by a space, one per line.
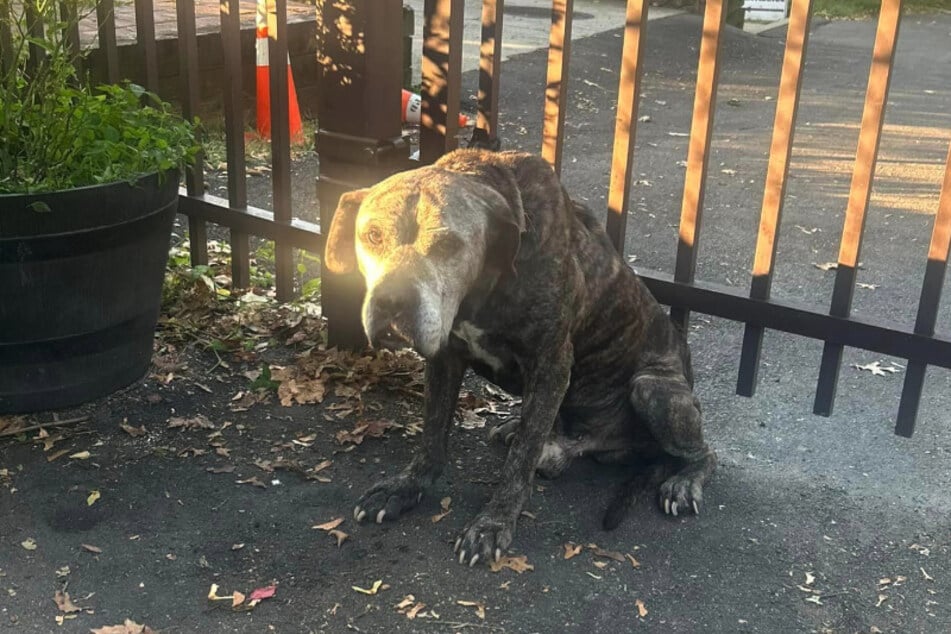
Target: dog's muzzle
392 316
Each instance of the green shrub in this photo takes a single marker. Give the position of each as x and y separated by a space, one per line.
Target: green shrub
59 132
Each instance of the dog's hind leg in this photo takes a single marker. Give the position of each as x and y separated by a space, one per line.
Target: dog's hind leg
665 402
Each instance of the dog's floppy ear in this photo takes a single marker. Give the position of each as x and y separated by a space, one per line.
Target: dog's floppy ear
339 253
506 224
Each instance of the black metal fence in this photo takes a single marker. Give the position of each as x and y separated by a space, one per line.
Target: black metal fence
360 141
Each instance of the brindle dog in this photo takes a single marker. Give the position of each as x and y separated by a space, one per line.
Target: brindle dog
482 260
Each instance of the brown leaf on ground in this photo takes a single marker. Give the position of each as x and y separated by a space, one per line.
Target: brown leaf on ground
199 421
641 608
264 465
252 481
601 565
321 466
634 562
64 603
80 455
413 611
91 549
129 627
519 564
572 549
29 543
132 431
236 599
329 526
340 535
228 468
478 605
373 429
407 601
57 454
444 503
608 554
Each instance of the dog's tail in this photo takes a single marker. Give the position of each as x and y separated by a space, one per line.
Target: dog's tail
646 477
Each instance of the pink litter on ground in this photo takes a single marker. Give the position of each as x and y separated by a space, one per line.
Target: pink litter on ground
262 593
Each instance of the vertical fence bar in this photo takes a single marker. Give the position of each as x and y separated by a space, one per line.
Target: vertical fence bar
359 140
490 61
442 77
34 26
194 175
866 155
774 193
6 37
280 143
927 305
145 36
70 16
556 88
106 18
701 131
234 135
625 125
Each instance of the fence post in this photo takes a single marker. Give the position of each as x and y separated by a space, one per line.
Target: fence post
359 138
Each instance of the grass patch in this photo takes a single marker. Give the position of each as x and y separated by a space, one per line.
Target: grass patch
869 8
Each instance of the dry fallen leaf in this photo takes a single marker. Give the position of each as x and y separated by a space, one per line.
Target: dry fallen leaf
413 611
518 564
328 526
199 421
236 599
132 431
223 469
641 608
876 368
93 496
881 599
252 481
340 535
129 627
372 589
810 578
572 549
608 554
444 504
90 548
601 565
80 455
634 562
926 575
29 543
64 603
814 599
826 266
57 454
478 605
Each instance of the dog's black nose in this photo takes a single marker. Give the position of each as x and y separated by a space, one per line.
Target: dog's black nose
394 307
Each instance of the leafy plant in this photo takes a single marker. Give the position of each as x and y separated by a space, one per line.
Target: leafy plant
57 131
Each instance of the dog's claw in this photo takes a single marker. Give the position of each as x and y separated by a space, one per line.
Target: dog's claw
361 516
696 508
356 513
498 554
475 558
382 514
455 548
462 556
667 506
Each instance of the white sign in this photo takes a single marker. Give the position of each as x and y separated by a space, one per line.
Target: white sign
765 10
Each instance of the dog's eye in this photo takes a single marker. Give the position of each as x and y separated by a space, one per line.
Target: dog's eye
374 236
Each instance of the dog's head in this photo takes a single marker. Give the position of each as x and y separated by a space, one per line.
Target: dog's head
421 239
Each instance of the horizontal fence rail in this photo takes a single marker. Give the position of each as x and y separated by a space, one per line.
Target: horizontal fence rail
360 141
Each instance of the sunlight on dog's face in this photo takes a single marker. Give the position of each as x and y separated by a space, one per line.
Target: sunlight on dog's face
420 242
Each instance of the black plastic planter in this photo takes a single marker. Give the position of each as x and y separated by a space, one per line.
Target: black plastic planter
81 276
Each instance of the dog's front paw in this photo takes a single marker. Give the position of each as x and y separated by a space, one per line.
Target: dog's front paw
681 493
389 498
486 537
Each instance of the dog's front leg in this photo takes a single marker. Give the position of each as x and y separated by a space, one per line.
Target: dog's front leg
390 497
492 530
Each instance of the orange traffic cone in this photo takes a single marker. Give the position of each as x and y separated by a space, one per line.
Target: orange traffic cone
413 105
264 83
